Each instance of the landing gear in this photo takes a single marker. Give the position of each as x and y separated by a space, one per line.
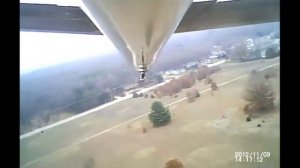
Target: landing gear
142 68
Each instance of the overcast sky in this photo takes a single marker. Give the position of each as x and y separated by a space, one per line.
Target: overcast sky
39 50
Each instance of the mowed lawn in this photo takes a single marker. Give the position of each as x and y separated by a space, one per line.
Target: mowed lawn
205 133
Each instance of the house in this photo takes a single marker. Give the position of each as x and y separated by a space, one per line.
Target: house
191 65
218 53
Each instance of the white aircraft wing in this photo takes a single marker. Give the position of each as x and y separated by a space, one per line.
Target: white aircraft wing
68 17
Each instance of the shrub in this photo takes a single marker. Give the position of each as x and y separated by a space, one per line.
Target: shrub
253 71
144 130
271 53
135 95
214 86
248 119
146 96
270 74
89 163
159 115
215 69
246 108
208 80
174 163
267 76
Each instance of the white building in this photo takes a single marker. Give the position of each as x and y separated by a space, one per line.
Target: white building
249 44
171 74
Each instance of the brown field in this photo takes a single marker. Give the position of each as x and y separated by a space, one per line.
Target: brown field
205 133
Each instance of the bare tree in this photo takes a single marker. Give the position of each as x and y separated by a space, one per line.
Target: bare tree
259 94
192 94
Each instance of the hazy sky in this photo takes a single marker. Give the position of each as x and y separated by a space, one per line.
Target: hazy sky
39 50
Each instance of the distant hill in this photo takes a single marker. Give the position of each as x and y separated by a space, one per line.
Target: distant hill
51 88
183 47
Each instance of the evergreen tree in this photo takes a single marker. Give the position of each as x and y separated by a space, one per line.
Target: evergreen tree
159 115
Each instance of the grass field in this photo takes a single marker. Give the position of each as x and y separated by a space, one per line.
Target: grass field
198 135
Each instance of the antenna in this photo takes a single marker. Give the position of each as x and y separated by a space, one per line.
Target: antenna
149 34
143 68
